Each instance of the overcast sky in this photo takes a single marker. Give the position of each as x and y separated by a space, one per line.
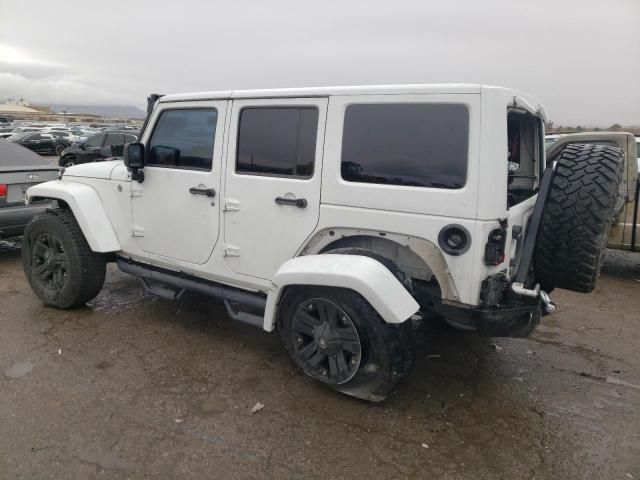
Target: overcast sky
581 58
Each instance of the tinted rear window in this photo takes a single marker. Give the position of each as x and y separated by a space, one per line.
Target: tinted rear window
14 155
421 145
278 141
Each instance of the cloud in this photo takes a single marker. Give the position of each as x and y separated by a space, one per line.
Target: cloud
573 55
59 90
39 81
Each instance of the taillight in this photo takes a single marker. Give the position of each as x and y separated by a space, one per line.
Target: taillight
494 249
3 190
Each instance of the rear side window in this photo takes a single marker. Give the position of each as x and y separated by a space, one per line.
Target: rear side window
184 139
278 141
114 139
418 145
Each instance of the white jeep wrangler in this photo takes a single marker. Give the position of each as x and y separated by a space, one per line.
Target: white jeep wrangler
338 216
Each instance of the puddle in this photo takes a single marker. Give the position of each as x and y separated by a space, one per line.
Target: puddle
19 370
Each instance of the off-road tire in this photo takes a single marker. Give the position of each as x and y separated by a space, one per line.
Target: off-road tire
86 269
577 217
388 350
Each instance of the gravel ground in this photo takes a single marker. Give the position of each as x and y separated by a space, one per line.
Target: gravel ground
139 387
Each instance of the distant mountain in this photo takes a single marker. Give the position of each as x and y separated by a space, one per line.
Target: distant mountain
106 110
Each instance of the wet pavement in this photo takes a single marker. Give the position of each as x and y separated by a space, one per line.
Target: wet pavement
139 387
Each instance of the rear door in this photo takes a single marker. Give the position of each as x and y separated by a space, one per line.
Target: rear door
274 165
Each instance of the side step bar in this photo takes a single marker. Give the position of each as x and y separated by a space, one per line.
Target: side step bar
171 285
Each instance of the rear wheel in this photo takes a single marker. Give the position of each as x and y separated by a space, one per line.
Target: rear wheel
577 217
61 268
59 149
337 338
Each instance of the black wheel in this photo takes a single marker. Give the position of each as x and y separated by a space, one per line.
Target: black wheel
59 149
577 217
68 161
337 338
61 268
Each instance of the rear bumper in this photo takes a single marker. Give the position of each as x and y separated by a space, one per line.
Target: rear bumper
13 220
513 316
502 321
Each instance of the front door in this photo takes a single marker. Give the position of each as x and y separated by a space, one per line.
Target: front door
91 148
176 209
272 191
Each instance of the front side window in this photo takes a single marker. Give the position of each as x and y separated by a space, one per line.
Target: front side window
184 139
278 141
410 144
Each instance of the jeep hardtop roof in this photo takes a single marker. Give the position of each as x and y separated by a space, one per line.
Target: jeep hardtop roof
435 88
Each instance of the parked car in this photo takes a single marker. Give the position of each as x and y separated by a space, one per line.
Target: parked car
20 169
24 129
625 231
89 150
338 217
6 132
43 143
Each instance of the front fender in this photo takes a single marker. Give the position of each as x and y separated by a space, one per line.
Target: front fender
364 275
87 208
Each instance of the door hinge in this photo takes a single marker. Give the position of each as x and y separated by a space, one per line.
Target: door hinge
137 231
231 250
136 193
231 205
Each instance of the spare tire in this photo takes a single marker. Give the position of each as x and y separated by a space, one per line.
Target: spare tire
577 217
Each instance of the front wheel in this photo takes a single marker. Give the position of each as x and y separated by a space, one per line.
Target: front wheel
59 149
337 338
61 268
68 161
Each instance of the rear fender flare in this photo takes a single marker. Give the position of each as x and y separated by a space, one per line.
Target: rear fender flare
363 275
87 209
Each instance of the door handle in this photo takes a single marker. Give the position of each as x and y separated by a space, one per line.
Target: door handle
296 202
207 192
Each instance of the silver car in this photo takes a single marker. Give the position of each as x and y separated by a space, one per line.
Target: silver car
20 169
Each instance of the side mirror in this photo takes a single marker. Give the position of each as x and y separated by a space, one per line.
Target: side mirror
134 160
134 155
